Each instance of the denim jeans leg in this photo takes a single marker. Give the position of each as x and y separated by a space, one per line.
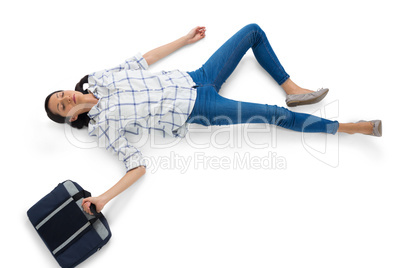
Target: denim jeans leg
213 109
223 62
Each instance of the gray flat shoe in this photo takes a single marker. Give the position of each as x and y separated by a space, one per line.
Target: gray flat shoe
377 127
309 98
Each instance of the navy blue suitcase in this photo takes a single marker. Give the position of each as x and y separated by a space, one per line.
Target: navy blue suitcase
70 234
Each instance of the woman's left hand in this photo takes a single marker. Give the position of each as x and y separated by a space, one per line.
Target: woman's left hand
195 34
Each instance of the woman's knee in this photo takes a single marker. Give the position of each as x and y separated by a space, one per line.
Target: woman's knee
254 32
253 27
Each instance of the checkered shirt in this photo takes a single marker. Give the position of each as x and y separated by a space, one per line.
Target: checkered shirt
133 100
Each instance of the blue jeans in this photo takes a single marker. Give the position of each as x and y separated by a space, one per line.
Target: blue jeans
210 108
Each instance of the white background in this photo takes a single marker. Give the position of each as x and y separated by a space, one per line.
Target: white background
335 203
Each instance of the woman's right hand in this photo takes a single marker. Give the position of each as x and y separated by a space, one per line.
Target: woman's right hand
128 179
97 201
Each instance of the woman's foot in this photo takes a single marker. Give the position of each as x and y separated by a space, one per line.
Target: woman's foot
304 99
376 126
296 95
373 128
292 89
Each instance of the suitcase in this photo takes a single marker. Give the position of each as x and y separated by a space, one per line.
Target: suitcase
70 234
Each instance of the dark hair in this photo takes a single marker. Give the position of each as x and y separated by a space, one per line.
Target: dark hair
82 119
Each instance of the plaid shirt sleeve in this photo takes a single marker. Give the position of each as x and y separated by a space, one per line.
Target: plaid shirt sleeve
130 155
136 62
100 78
116 142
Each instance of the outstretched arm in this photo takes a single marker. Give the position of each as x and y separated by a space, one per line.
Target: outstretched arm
128 179
193 36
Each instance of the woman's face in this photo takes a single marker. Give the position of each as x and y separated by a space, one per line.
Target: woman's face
63 102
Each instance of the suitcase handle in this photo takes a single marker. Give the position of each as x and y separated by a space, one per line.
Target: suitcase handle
92 207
